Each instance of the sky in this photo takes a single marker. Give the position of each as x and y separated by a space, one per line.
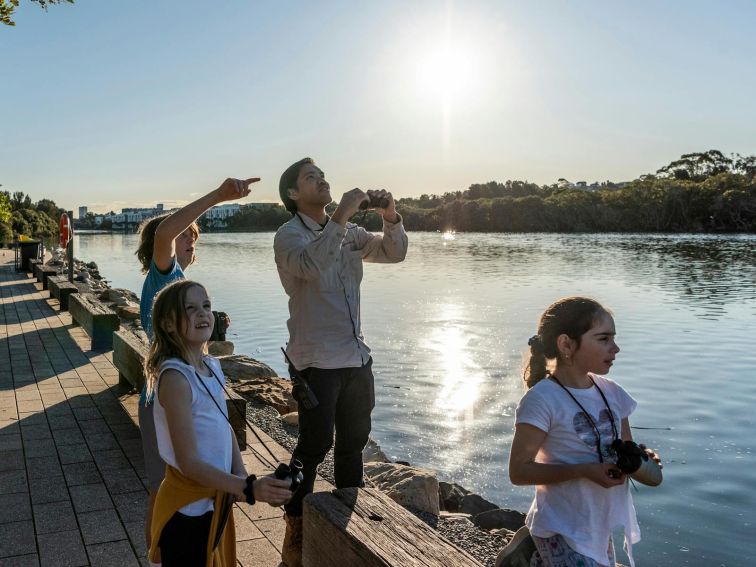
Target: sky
113 104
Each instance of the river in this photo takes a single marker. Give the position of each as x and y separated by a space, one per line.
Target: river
449 328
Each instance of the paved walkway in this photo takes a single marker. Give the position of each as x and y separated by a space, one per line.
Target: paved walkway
71 468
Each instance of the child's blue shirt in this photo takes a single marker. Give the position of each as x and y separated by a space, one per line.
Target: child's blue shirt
153 283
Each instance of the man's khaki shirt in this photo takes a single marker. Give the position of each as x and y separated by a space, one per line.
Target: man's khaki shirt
321 271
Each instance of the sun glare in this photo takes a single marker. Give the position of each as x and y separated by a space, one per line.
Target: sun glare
447 74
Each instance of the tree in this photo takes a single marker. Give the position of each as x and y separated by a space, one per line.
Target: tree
7 7
5 207
697 166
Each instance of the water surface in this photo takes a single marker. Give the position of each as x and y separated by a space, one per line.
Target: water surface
449 328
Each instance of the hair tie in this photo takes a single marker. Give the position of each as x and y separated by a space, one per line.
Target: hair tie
535 342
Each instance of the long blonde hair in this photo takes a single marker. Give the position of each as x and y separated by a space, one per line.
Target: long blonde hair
169 309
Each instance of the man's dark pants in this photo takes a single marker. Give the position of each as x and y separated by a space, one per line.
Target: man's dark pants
346 397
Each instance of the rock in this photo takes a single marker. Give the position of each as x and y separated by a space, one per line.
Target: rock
475 504
220 348
291 418
372 453
255 380
243 368
122 296
451 496
130 311
82 276
408 486
92 265
511 520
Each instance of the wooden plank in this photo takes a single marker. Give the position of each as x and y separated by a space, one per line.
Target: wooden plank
97 319
60 288
356 527
129 352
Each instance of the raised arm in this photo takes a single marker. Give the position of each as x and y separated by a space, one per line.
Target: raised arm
524 470
389 247
304 258
164 248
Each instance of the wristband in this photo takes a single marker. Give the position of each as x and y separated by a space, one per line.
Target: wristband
249 491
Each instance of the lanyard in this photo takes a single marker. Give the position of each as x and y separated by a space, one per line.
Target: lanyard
588 415
315 232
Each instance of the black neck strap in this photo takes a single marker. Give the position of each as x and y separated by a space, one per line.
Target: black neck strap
316 232
588 415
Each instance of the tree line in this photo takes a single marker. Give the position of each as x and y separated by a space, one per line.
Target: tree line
19 215
700 192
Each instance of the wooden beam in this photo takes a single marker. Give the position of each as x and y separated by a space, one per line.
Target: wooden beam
356 527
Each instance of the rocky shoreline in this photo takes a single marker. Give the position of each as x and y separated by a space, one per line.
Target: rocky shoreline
474 524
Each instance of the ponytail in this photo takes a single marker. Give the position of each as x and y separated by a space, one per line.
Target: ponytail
571 316
536 369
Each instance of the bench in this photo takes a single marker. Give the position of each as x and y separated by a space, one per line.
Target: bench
362 527
42 273
96 319
129 353
60 288
33 262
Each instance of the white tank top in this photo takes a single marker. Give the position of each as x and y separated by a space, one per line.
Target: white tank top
211 428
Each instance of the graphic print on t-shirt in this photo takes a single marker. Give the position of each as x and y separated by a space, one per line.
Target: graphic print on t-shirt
585 431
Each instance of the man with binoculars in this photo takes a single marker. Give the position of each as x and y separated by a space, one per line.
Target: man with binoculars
319 260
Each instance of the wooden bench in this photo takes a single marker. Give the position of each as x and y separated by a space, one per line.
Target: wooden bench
42 273
60 288
129 353
359 527
97 320
33 262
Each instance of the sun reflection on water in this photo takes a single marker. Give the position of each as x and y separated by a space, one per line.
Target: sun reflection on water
462 376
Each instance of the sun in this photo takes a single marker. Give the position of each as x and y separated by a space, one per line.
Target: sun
447 73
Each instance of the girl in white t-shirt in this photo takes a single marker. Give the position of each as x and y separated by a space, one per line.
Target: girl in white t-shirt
204 470
565 425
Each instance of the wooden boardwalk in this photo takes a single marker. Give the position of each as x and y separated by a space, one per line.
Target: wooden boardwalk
72 487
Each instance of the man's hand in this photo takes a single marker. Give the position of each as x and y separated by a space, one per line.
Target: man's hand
348 206
388 213
232 189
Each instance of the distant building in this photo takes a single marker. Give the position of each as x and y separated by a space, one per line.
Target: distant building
129 219
217 217
82 212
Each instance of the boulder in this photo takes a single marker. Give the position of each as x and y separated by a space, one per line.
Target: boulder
241 368
407 486
372 453
511 520
121 296
220 348
451 496
291 418
257 381
129 311
474 504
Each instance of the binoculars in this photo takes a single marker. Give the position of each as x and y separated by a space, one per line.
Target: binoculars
374 202
634 461
291 472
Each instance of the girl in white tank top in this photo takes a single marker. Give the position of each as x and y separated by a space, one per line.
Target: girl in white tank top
194 436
